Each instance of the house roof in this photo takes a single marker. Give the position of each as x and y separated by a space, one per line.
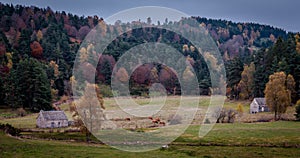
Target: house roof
53 115
260 101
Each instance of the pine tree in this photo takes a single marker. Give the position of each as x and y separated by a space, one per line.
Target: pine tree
12 91
261 75
234 69
24 43
29 86
106 72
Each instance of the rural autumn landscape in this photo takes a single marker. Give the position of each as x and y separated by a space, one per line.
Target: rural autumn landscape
74 85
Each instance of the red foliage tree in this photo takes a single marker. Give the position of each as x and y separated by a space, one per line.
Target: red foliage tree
71 30
142 74
104 68
168 78
36 49
83 31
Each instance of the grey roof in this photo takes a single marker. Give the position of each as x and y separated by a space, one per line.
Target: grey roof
260 101
54 115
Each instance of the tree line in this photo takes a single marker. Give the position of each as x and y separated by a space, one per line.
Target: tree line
38 48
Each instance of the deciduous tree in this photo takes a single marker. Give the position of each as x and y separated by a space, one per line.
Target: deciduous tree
247 82
36 49
88 111
278 93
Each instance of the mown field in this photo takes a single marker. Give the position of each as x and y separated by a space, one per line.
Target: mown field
260 139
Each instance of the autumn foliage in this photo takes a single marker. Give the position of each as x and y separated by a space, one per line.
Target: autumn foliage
36 49
278 93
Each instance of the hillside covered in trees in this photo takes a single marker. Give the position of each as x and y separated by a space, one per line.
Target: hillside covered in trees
38 48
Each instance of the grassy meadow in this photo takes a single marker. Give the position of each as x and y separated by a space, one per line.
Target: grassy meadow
239 139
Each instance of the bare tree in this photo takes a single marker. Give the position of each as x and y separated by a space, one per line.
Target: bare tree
88 111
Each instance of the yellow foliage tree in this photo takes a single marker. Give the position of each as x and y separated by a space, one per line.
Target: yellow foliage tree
240 109
88 111
39 35
122 75
247 81
278 93
9 60
185 47
211 61
54 66
83 55
154 75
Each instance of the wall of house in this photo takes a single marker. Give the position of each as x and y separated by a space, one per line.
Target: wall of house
40 122
253 108
52 123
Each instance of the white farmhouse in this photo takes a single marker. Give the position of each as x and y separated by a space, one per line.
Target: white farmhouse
258 105
51 119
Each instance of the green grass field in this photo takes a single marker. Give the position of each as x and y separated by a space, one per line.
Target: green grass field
273 139
11 147
270 139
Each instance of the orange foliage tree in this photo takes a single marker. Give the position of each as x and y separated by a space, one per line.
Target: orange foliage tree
36 49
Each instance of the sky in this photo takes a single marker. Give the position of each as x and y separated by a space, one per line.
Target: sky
277 13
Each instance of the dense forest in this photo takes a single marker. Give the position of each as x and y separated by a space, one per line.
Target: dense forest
38 48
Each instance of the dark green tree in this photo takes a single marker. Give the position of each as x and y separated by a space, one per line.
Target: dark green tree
29 87
107 71
234 69
260 75
24 43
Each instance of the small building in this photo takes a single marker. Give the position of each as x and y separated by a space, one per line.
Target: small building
51 119
258 105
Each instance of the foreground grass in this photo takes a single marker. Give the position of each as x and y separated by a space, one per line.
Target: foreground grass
11 147
272 134
272 139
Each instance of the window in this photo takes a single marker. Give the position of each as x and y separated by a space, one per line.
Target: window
58 124
52 124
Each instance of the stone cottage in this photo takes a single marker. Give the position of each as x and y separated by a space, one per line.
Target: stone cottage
258 105
51 119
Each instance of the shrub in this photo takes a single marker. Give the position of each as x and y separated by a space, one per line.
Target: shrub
219 114
240 109
224 115
231 115
105 90
207 121
21 112
9 129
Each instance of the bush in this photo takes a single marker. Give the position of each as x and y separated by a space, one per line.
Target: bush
21 112
297 115
105 90
9 129
240 109
219 114
207 121
225 115
231 115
